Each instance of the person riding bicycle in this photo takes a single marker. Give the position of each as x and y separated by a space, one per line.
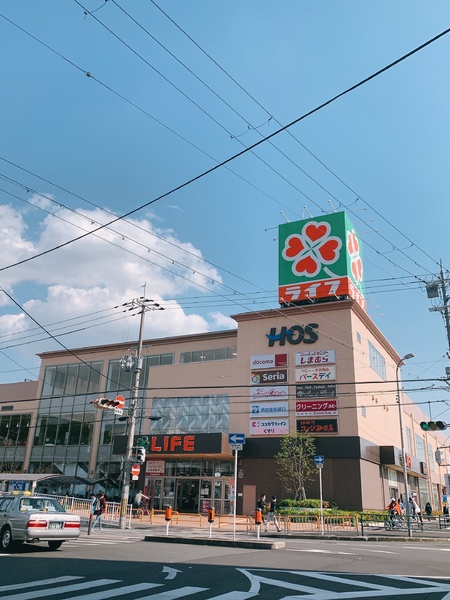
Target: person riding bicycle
394 509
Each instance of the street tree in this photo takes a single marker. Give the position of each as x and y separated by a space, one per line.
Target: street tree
295 463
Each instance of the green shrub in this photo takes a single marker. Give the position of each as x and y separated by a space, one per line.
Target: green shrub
308 503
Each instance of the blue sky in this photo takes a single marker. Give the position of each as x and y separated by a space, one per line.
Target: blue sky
172 94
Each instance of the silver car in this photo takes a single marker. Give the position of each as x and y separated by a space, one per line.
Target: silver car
28 518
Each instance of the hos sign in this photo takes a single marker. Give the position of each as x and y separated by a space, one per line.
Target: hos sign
294 335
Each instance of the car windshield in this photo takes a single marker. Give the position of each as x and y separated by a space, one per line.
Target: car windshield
43 504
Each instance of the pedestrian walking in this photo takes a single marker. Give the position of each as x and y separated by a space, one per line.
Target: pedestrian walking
99 509
261 504
428 510
414 509
271 515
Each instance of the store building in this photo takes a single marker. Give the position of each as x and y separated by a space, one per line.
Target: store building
316 365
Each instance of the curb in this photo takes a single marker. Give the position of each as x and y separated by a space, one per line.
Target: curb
257 545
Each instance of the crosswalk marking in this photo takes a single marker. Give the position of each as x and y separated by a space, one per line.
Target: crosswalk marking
60 590
119 591
173 594
40 582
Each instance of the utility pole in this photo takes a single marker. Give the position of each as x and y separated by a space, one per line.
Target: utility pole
144 305
433 288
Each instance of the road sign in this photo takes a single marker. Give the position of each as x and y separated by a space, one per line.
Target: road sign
236 438
236 446
135 470
319 460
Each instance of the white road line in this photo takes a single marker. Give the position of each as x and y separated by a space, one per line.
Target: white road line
119 591
314 551
21 586
377 551
60 590
173 594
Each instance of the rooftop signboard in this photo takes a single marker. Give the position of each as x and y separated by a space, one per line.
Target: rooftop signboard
319 258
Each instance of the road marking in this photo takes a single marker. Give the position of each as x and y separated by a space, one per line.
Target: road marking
120 591
314 551
172 594
21 586
60 590
171 573
377 551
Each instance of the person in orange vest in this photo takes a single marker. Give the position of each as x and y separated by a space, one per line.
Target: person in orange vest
394 508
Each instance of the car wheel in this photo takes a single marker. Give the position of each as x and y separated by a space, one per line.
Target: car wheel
5 539
54 545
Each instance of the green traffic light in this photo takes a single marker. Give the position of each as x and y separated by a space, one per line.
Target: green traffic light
433 425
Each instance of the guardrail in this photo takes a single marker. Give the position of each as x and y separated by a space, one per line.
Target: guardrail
329 524
383 522
228 520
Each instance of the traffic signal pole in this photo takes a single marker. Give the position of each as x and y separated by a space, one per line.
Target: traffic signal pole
144 305
131 428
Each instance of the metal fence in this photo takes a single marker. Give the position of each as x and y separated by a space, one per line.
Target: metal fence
418 525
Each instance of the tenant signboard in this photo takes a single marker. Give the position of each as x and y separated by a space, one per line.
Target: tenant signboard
270 409
317 426
319 257
269 377
269 392
323 373
269 427
316 390
268 361
316 408
315 357
154 468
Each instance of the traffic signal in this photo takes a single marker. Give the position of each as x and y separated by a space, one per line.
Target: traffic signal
433 425
140 454
107 403
438 456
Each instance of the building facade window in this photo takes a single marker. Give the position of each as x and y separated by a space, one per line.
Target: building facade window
66 419
198 414
14 431
207 355
409 447
420 448
431 458
377 361
155 360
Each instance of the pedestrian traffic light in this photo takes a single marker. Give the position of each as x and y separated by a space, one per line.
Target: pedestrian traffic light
438 456
140 455
433 425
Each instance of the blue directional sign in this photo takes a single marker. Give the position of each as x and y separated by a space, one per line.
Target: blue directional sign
236 438
319 460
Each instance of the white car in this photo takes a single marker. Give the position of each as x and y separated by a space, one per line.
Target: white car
32 519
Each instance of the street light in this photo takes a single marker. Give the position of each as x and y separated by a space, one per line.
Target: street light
405 474
144 305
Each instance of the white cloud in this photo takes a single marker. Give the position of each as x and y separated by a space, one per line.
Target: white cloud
97 273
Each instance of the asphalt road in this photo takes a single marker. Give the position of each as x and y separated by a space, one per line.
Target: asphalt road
119 564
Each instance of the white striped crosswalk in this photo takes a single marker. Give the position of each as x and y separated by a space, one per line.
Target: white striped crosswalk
104 538
62 586
284 585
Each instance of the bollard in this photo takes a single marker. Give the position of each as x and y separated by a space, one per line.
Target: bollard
258 521
168 517
90 523
211 515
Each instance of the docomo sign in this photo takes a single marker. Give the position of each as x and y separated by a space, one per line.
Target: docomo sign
267 361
